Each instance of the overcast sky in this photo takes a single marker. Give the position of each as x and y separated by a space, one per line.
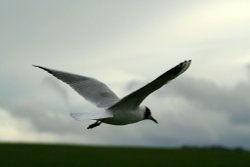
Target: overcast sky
126 44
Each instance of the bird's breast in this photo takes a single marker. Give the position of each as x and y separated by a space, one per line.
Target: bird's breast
123 118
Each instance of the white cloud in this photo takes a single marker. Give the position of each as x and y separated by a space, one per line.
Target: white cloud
215 19
16 129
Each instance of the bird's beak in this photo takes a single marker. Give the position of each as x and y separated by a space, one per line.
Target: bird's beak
151 118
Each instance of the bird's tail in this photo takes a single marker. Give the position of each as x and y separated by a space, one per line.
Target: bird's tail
83 116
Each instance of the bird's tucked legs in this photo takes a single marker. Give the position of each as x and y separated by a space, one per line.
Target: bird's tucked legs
97 123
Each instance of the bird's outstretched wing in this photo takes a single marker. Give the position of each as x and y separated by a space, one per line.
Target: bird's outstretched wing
135 98
89 88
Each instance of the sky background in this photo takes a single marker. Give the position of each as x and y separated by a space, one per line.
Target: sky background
126 44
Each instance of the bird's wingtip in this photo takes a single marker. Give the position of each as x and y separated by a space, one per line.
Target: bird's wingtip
41 67
36 65
189 61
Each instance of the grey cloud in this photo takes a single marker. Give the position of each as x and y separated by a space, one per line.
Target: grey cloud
248 67
43 118
232 101
47 108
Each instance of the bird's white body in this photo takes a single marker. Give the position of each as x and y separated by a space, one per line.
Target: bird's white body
114 110
124 116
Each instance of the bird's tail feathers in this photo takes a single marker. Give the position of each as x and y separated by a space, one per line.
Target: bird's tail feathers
96 115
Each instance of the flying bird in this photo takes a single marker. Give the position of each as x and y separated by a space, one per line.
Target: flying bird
112 109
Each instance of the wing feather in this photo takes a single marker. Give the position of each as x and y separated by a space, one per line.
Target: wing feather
91 89
135 98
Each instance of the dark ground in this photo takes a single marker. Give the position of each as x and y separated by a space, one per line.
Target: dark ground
42 155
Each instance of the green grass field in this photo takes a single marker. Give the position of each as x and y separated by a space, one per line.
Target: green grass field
41 155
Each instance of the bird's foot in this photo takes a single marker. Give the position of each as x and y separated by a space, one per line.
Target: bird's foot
97 123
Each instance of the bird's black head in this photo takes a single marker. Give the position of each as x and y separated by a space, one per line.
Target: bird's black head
148 115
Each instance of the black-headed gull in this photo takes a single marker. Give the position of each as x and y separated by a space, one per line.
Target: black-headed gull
114 110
